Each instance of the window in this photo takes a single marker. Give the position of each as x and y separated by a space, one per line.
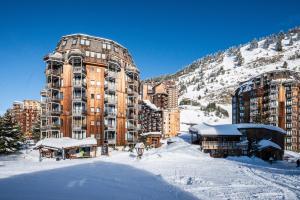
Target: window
98 55
92 122
92 96
62 82
92 82
98 83
92 54
116 49
87 43
98 96
82 41
87 53
98 69
74 41
108 46
98 123
103 56
97 110
92 109
104 46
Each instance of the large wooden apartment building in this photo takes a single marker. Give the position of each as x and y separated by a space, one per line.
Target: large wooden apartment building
271 98
26 114
164 96
92 90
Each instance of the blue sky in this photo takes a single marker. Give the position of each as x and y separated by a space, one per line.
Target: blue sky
162 36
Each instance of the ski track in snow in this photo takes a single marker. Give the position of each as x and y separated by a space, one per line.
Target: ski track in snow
173 171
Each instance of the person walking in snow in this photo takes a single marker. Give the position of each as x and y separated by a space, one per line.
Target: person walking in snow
298 163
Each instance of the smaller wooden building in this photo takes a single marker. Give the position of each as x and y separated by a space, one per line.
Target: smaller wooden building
218 141
152 139
67 148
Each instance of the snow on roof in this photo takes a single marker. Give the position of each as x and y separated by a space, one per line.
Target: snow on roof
95 37
262 144
246 86
230 129
66 142
151 105
213 130
151 133
252 125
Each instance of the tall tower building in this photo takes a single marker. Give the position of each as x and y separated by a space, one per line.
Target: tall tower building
92 90
271 98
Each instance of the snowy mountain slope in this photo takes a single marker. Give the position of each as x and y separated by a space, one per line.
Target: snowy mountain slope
214 78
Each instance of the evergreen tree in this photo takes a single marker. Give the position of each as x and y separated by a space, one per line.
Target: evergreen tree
11 137
36 131
266 43
239 58
278 46
253 45
285 64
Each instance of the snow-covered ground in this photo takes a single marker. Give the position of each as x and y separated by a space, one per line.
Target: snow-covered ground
175 171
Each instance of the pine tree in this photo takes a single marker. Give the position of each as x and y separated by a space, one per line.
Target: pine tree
266 43
285 64
278 46
36 131
11 137
253 45
239 58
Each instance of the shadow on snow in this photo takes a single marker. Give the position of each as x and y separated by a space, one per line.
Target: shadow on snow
99 180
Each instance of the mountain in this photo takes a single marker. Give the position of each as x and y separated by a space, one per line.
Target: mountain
214 78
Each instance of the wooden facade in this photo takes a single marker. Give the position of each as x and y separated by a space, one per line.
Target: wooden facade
26 114
271 98
93 83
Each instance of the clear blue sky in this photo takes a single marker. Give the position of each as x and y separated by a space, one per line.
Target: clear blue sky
163 36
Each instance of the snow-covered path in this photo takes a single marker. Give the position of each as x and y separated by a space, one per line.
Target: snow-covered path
175 171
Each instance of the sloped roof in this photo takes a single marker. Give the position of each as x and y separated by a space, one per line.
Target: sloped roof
214 130
230 129
263 144
65 142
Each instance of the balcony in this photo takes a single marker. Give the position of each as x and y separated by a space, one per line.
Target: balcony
54 99
53 85
78 112
79 70
79 127
79 84
109 126
110 113
55 72
110 74
79 98
55 112
110 100
110 86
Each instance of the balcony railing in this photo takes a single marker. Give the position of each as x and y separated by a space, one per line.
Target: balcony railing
55 72
79 84
53 85
110 87
79 70
110 100
78 112
218 145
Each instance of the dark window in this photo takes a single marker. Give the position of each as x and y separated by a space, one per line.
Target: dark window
92 96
